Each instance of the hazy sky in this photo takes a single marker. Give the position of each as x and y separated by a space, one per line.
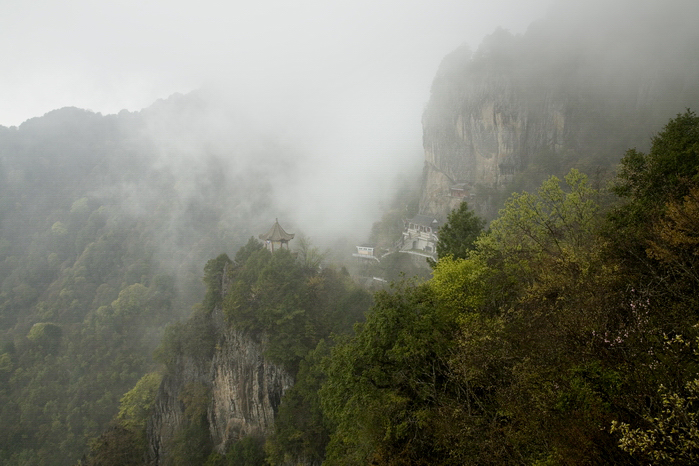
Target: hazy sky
347 81
107 56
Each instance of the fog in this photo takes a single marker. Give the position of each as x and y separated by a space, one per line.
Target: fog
334 93
107 57
206 122
339 87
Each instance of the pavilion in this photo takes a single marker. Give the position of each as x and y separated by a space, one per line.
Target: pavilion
276 236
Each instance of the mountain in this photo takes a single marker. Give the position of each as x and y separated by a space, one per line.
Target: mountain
106 222
579 88
228 369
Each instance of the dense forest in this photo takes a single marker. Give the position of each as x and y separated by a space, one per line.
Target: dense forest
565 333
105 225
562 330
566 336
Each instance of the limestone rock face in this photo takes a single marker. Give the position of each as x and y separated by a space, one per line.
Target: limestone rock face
481 137
244 391
562 95
168 413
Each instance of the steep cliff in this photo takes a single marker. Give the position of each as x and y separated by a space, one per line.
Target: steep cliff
237 376
239 392
572 91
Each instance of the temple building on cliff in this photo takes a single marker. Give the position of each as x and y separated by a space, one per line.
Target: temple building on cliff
276 237
420 236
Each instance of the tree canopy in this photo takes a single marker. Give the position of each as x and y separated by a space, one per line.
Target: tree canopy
456 237
544 343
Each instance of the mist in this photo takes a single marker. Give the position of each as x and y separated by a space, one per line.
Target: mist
338 90
138 141
319 104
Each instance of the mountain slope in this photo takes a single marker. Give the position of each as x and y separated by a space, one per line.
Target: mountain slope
578 89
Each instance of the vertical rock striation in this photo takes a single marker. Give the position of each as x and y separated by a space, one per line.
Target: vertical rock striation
243 387
246 390
169 411
562 95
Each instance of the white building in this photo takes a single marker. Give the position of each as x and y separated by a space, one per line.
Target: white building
366 252
420 235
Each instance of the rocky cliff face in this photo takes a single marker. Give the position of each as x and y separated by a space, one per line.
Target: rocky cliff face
562 95
481 136
241 389
246 390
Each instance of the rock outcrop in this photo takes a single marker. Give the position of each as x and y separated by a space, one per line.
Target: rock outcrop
242 390
562 95
246 390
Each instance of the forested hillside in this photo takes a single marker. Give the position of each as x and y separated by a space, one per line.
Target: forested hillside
239 365
564 334
561 329
106 223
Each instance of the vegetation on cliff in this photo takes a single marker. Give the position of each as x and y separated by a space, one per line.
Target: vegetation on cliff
104 230
553 342
566 335
289 304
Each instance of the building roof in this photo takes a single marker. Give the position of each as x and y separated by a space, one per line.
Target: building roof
277 233
425 220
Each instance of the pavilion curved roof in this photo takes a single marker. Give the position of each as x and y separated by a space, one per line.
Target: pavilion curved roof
276 233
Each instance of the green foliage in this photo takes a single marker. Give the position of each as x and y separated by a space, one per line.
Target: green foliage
125 441
248 451
45 335
213 279
554 222
384 385
458 284
70 371
457 236
672 436
310 258
281 296
290 305
102 241
244 253
651 229
194 338
117 446
646 183
510 355
676 241
524 347
666 173
191 443
563 293
136 404
301 431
